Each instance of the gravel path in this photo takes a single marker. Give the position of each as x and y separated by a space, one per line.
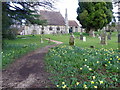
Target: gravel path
28 71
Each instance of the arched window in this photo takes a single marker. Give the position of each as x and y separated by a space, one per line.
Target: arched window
50 28
58 28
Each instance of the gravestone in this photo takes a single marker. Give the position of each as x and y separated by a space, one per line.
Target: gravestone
109 37
84 39
104 38
119 38
41 40
72 40
91 33
81 36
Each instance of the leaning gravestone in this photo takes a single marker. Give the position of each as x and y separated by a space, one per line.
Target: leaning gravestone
72 40
81 36
104 38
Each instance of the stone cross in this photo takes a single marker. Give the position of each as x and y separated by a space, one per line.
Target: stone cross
72 40
104 38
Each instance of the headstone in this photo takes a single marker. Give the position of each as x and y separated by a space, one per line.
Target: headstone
72 40
91 33
81 36
119 38
99 38
109 37
104 38
84 39
41 40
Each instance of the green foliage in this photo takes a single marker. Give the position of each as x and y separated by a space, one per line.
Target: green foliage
75 67
94 15
11 33
13 49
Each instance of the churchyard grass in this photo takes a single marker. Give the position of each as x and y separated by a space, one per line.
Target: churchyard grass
14 49
76 67
91 41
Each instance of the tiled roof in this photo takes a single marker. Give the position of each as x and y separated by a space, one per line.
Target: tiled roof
73 23
52 17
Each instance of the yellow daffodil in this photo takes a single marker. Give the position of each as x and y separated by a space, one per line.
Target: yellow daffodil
92 82
64 86
95 86
84 85
63 82
77 83
118 58
105 64
85 59
97 61
93 77
101 82
80 68
110 58
90 69
109 62
57 85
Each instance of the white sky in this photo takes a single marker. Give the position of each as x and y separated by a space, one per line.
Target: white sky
71 6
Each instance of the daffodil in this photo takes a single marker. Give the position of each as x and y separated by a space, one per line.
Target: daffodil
110 58
80 68
85 59
63 82
97 61
90 69
64 86
93 77
101 82
92 82
77 83
57 85
95 86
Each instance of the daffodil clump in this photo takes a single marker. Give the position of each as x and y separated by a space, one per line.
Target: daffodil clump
75 67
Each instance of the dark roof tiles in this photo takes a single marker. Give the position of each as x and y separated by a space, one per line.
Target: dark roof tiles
52 17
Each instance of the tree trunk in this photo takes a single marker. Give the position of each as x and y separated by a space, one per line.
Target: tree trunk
87 30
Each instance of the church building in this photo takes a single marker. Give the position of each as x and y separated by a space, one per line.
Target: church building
55 24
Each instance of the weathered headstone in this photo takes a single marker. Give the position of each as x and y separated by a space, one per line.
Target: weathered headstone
119 38
109 37
104 38
99 38
81 36
72 40
84 39
91 33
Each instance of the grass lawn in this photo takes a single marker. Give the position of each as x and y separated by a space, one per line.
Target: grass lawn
14 49
91 41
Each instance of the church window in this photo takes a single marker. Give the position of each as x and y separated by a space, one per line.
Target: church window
58 28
